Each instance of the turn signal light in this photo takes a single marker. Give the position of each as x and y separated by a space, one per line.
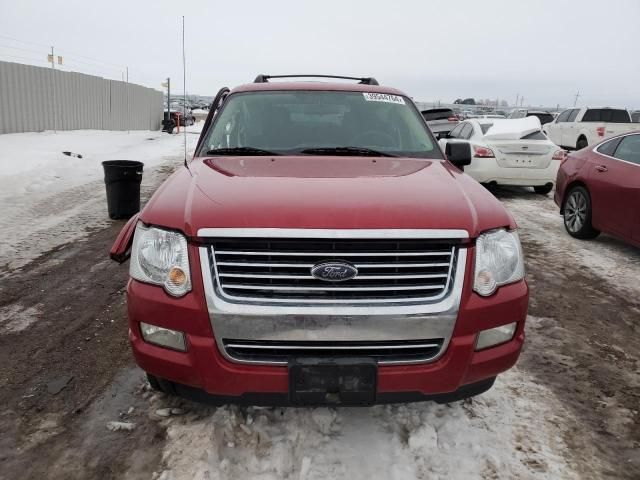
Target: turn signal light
482 152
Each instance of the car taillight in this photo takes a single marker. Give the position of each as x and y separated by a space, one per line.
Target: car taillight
600 131
453 119
560 155
482 152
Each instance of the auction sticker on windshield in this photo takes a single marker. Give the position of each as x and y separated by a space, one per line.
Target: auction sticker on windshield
383 97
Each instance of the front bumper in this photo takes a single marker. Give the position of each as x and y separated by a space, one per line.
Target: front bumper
204 367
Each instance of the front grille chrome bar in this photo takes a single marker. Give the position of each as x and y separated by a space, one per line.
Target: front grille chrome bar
279 353
335 254
278 270
338 289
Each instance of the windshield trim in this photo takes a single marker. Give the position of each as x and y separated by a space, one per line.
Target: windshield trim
436 153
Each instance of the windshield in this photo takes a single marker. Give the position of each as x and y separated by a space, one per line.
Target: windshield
290 122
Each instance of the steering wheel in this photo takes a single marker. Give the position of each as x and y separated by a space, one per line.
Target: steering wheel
374 135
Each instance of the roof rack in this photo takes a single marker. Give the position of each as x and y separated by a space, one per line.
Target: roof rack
363 80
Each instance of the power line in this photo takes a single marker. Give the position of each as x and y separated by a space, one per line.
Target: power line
73 61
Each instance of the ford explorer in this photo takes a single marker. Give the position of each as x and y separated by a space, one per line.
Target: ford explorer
321 248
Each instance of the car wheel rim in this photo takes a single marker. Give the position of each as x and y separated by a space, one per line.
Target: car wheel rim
575 212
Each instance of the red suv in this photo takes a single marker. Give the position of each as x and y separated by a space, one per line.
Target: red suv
321 249
598 189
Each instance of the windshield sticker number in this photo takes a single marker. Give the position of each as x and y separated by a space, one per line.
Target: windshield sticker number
383 97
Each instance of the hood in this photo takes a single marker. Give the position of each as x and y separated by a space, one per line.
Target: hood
513 129
323 192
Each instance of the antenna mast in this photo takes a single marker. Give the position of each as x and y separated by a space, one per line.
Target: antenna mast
184 95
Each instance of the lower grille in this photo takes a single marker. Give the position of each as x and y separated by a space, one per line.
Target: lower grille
279 352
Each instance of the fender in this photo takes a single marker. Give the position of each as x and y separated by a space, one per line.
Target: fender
121 249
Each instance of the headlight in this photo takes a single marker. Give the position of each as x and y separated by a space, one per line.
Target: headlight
498 261
160 257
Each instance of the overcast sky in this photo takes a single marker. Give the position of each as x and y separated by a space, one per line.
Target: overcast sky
545 51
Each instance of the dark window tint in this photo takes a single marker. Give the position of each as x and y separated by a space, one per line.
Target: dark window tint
455 133
544 117
606 115
629 149
563 116
467 131
635 117
573 115
607 148
535 136
437 114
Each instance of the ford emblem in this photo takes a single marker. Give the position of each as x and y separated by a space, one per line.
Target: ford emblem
334 271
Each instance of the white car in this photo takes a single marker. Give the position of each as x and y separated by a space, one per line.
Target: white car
509 152
577 128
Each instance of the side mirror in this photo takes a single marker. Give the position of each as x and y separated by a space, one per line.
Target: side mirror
458 153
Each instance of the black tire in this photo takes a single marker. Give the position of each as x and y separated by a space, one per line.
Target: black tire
577 214
543 189
582 143
153 381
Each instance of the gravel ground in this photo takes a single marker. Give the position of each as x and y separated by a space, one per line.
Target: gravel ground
568 410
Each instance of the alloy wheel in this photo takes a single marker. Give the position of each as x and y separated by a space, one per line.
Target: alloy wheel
575 212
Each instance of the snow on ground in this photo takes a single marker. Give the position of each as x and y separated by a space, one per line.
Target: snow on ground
513 431
49 198
540 221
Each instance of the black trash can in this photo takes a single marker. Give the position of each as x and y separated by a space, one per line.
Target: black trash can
122 179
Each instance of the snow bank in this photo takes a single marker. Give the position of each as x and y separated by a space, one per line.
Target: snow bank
513 431
49 198
513 129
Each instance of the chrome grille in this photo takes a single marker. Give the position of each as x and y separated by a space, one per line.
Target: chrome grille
278 270
402 351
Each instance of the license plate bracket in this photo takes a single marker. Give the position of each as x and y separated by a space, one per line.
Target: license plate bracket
334 381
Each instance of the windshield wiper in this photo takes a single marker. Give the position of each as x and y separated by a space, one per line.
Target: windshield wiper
240 151
351 151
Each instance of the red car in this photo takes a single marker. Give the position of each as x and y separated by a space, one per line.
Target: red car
598 189
320 249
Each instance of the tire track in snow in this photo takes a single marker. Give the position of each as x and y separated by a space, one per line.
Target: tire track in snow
512 431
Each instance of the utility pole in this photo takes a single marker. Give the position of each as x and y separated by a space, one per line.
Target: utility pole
517 97
575 101
521 101
53 90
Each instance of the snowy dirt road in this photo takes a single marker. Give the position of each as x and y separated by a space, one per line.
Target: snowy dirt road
568 410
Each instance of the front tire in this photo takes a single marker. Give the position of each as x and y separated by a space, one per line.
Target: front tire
577 214
543 189
582 143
